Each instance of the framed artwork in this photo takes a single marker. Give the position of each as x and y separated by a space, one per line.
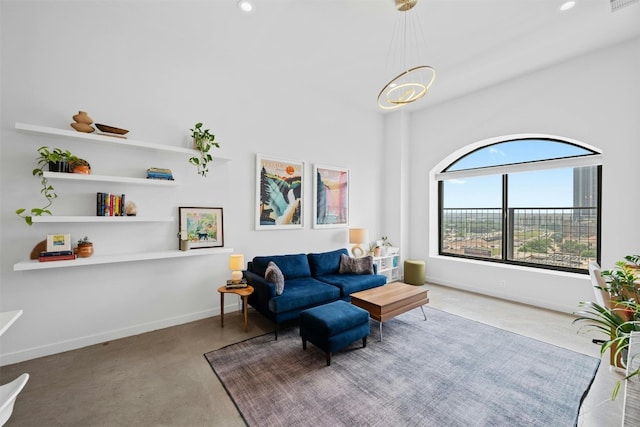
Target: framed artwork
331 197
202 227
279 193
58 242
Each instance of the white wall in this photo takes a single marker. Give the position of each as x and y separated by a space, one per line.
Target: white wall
156 70
594 99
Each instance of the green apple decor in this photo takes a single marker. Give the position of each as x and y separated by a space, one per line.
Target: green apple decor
203 141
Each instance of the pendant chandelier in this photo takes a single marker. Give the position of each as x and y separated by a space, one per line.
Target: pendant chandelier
412 83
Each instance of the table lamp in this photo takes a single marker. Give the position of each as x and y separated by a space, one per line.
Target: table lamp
236 264
357 236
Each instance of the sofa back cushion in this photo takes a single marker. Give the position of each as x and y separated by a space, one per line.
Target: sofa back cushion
325 263
362 265
292 266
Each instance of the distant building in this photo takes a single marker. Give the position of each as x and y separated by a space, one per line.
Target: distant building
585 192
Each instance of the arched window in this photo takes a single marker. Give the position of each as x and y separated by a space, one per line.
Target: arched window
526 200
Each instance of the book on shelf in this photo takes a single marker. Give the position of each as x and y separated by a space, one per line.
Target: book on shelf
159 173
72 256
55 253
109 204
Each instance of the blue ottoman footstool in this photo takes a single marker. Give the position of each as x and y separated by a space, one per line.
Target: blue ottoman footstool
332 327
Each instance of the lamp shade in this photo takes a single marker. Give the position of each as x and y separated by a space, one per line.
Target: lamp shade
358 235
236 262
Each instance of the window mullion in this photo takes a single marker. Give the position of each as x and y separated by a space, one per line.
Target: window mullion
507 242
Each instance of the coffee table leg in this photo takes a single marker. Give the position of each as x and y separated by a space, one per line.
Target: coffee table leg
222 309
380 331
425 316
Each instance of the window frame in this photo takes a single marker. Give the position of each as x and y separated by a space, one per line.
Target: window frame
592 159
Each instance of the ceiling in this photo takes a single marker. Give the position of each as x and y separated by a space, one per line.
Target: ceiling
341 47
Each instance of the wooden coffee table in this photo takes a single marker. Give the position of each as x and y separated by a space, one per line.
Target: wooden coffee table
388 301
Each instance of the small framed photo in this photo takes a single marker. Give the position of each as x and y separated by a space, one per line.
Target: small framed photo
331 197
202 227
58 242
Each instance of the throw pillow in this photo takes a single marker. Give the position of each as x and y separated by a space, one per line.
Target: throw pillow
273 274
362 265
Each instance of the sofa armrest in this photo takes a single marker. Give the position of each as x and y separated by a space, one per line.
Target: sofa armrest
261 287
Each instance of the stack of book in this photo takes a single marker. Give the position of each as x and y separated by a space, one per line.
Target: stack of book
56 256
110 204
159 173
239 285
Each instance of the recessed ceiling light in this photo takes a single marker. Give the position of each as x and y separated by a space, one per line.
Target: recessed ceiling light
567 5
245 6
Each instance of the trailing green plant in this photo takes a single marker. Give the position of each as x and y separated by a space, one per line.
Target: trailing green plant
203 140
47 157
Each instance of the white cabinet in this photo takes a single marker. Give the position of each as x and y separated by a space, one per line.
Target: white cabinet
80 178
388 265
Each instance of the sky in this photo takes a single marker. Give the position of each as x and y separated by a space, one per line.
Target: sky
549 188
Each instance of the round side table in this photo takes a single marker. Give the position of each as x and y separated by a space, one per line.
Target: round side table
243 293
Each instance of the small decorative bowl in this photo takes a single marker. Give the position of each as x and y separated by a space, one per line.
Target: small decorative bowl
111 129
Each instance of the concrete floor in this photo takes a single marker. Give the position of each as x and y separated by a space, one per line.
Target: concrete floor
162 379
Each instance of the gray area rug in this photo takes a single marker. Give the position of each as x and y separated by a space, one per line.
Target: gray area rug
446 371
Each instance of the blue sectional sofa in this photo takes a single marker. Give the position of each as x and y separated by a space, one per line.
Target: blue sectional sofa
310 280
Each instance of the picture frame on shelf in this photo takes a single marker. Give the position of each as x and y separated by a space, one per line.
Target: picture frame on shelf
330 196
202 227
279 193
58 242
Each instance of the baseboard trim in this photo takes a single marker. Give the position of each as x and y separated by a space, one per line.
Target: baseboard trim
546 304
76 343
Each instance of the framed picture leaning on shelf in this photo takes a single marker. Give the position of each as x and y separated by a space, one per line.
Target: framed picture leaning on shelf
202 227
331 197
279 193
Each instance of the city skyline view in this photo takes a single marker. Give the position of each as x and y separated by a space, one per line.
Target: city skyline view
551 215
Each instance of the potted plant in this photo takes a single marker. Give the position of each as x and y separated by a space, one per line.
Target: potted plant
85 248
203 141
384 245
374 249
621 280
79 166
619 318
622 344
57 161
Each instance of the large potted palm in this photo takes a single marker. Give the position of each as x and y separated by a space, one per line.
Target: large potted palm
621 317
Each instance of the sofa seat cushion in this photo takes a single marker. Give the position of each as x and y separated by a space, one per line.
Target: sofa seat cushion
351 283
326 262
303 293
292 266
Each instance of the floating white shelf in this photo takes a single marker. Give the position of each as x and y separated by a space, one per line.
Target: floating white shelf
117 258
92 137
104 178
119 219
